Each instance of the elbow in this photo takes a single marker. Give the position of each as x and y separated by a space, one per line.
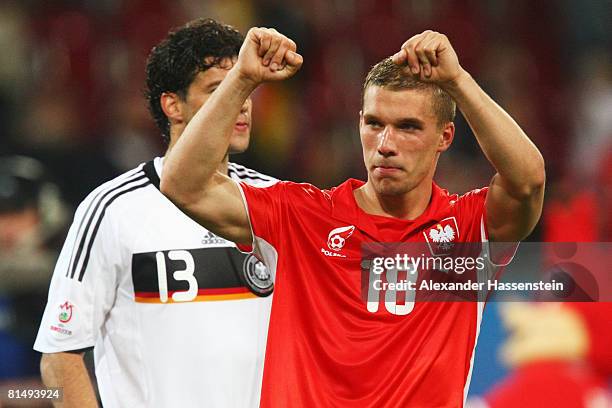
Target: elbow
532 188
527 184
534 179
538 176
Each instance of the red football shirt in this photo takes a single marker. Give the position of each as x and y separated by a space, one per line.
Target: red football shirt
325 347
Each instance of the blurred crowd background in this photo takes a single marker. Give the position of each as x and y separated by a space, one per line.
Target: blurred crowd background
71 97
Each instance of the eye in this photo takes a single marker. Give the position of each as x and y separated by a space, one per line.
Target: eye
373 123
407 126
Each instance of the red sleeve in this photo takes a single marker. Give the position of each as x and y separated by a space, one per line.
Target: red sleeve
470 209
264 207
472 212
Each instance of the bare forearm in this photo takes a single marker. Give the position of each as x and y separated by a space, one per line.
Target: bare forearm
514 200
190 178
68 372
206 136
516 159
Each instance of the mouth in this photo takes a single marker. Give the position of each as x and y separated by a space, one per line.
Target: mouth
385 171
241 126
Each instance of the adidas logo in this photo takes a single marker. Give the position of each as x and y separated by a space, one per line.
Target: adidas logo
212 239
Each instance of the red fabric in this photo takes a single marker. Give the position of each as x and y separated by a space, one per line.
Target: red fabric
547 384
324 347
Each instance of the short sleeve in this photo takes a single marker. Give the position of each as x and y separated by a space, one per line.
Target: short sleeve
472 212
263 205
265 208
82 288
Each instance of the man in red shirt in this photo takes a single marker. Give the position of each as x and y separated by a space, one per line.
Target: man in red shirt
328 345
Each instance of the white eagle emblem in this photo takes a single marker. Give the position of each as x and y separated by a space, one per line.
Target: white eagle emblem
439 234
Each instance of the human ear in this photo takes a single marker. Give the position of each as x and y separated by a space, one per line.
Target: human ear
446 136
172 106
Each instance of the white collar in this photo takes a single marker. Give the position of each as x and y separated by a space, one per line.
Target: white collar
158 163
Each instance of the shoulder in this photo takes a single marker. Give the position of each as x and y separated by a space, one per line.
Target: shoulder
249 176
295 190
298 195
471 202
476 194
95 231
469 210
128 184
468 207
473 197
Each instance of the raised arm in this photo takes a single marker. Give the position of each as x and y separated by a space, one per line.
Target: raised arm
516 193
190 178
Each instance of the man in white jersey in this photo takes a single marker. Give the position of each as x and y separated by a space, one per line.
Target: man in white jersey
176 316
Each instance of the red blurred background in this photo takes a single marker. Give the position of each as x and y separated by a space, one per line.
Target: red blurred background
72 79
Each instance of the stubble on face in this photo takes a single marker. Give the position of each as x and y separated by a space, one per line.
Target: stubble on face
408 154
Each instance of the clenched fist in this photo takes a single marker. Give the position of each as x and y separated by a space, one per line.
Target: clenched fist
430 57
267 55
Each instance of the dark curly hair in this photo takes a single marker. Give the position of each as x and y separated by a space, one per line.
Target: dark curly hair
173 63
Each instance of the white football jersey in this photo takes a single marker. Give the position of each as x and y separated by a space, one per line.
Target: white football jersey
177 316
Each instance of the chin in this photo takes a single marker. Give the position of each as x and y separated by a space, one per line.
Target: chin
391 187
239 143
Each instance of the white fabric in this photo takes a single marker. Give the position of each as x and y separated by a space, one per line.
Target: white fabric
189 354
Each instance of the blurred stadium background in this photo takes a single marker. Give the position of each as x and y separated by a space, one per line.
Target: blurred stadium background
71 82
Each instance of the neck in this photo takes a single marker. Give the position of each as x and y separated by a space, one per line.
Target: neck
174 135
407 206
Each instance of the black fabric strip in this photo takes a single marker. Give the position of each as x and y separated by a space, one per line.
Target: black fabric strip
81 228
241 168
149 169
93 215
79 351
246 176
85 217
243 171
95 231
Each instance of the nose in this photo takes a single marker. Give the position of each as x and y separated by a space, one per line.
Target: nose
386 145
